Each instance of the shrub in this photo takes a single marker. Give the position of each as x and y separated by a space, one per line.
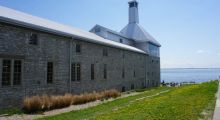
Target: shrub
32 104
45 102
111 94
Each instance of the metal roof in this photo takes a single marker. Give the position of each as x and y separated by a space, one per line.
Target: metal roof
137 33
22 19
111 31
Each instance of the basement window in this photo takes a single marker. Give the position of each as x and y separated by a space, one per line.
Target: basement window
132 86
123 89
33 40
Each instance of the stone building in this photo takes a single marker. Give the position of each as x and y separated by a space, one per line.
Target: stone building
38 56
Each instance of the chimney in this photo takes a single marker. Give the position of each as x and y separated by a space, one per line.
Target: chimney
133 12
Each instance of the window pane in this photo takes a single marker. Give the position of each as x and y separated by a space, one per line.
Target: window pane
6 73
33 39
132 86
17 72
105 52
73 70
50 72
131 4
123 73
78 48
134 74
154 50
78 74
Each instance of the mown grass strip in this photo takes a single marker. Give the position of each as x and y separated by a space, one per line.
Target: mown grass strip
11 111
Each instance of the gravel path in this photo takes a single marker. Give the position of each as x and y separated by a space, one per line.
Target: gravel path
63 110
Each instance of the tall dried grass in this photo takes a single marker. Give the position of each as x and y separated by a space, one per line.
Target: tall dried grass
46 102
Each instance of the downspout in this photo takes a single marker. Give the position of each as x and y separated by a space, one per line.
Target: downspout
145 71
70 62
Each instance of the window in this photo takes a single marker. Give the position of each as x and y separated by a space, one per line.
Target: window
78 48
105 71
133 4
33 39
6 73
143 86
123 72
154 50
11 72
123 89
92 72
134 74
105 52
132 86
75 72
78 72
17 72
121 40
50 72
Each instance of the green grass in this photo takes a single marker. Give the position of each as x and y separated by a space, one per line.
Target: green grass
184 103
11 111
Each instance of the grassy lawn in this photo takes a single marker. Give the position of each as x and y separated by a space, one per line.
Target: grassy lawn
189 102
11 111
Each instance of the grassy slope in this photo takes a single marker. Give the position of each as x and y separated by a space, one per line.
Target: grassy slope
183 103
11 111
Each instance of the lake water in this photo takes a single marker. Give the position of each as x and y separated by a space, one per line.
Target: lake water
187 75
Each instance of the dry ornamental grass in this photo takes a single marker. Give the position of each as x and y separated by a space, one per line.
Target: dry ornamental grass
46 102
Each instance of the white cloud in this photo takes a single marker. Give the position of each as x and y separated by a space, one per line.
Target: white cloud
202 51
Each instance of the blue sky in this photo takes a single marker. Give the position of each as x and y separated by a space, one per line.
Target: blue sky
189 30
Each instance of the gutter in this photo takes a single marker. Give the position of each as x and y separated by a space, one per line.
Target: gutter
61 33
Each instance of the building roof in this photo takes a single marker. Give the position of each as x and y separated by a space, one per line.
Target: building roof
136 32
111 31
25 20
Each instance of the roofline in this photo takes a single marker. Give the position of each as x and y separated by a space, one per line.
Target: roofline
60 33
